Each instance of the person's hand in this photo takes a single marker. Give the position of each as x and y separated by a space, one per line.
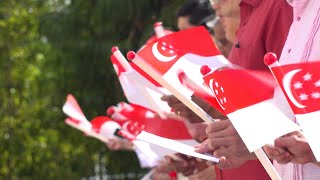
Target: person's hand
224 140
168 163
225 143
197 131
160 176
208 173
116 144
281 155
293 148
183 111
225 162
183 164
180 109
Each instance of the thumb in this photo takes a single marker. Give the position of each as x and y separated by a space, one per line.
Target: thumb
283 142
203 147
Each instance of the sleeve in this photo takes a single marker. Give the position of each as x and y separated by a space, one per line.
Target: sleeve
278 27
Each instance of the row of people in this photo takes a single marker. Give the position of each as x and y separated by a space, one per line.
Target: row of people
246 31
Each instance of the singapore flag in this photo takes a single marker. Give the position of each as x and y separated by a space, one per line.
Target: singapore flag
186 50
301 86
246 98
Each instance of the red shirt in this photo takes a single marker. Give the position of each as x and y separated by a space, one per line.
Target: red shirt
264 26
251 170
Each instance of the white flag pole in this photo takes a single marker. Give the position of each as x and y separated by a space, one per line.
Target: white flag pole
121 59
148 176
135 58
259 152
88 132
266 163
158 29
191 84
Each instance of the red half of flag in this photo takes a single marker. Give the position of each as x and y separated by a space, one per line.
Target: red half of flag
301 85
236 89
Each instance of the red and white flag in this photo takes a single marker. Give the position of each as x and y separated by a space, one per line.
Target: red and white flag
165 137
105 126
123 111
139 123
246 98
138 87
135 122
135 118
101 128
301 86
76 116
186 50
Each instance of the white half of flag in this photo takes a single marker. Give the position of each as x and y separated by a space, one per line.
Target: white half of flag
310 124
253 121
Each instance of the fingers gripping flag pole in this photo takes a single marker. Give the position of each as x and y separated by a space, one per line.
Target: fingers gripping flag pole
135 58
300 83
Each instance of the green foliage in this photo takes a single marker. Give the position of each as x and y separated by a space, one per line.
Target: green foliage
55 47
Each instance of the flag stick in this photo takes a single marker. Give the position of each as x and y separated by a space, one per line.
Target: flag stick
158 29
121 59
148 175
266 163
139 61
188 82
89 133
271 60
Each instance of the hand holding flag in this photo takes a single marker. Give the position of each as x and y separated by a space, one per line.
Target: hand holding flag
250 110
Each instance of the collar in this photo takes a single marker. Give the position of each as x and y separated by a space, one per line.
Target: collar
254 3
299 6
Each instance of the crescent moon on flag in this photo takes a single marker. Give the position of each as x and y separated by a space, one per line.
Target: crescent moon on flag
211 87
286 81
159 56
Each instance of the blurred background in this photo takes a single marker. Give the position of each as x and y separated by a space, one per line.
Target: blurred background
49 48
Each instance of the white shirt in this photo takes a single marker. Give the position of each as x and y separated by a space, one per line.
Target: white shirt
302 45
